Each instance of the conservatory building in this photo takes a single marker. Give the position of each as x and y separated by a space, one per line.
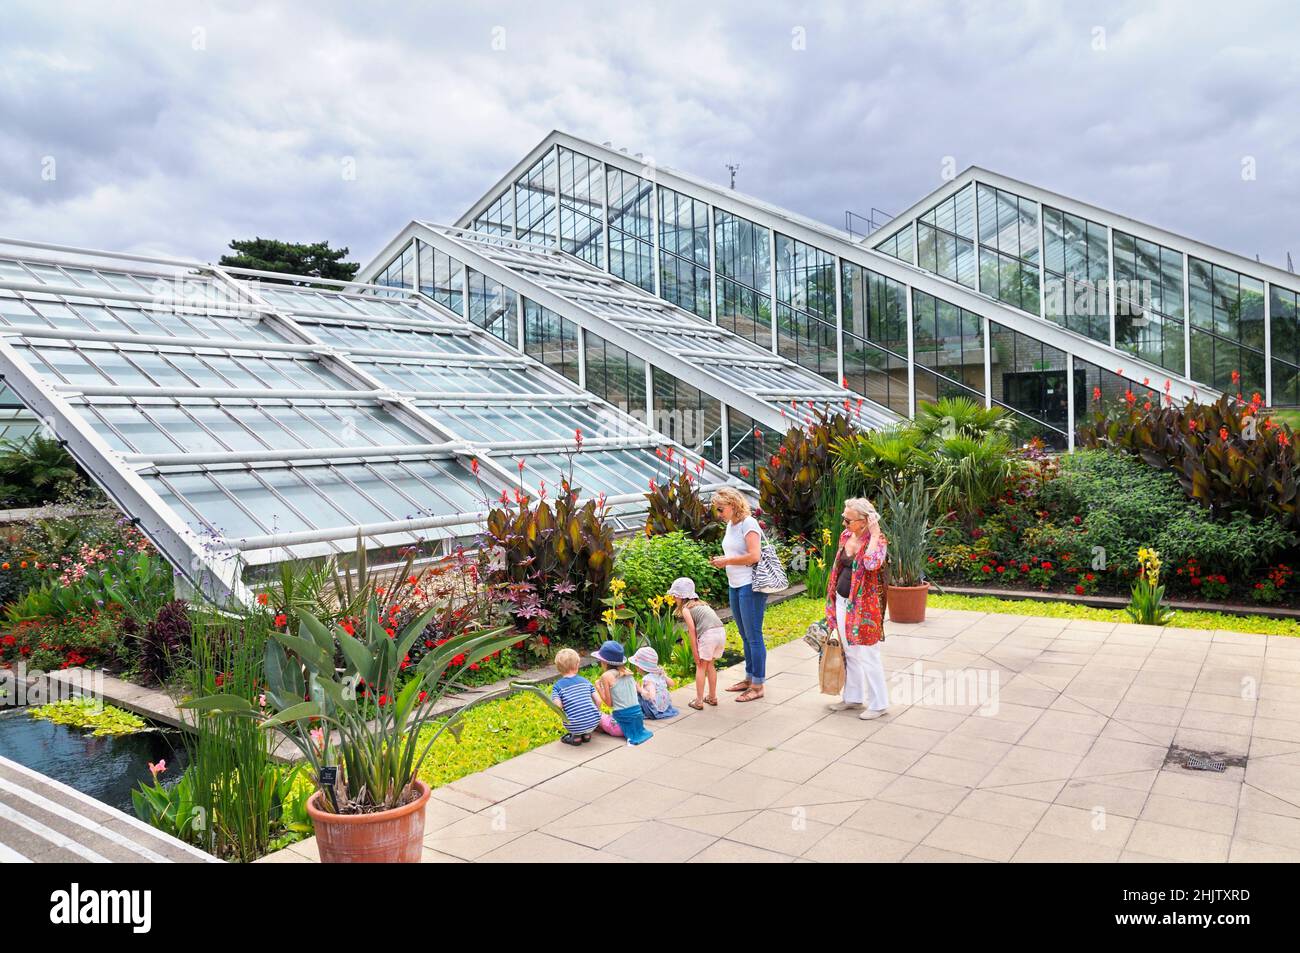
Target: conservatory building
656 290
601 320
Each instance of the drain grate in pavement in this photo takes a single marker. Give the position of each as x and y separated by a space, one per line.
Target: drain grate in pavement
1193 760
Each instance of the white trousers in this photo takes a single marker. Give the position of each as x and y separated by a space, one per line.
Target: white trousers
864 669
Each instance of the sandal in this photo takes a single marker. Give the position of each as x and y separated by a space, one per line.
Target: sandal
739 687
570 740
696 704
711 700
585 737
749 695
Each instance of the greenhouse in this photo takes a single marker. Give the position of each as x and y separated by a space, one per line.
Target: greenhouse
242 423
989 287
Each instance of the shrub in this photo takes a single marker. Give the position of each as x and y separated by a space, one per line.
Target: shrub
165 637
46 643
649 564
1222 454
676 505
551 562
790 487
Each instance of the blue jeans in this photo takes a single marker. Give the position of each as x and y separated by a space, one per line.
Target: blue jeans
747 607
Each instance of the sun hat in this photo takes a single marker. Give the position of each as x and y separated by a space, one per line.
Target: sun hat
611 652
646 659
683 587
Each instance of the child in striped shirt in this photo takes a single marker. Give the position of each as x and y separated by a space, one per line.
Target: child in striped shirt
575 695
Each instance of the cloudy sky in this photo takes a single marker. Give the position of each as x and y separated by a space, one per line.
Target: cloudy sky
175 126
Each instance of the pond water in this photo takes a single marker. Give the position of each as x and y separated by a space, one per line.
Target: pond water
107 768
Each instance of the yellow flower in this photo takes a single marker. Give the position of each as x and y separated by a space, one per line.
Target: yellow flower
617 586
610 616
826 536
656 603
670 600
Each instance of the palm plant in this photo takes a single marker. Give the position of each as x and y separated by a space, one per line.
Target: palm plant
872 458
969 473
37 469
961 416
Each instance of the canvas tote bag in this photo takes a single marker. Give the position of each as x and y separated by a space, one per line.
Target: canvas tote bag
830 669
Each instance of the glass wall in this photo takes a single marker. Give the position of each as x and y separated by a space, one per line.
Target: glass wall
945 238
1149 301
744 277
687 415
750 445
949 341
1227 328
400 272
615 376
1284 321
1029 377
499 217
582 192
551 339
1075 293
805 306
492 307
874 310
899 244
1009 248
1096 390
684 251
442 278
631 247
535 202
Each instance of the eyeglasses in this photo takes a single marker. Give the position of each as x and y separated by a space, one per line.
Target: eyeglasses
852 519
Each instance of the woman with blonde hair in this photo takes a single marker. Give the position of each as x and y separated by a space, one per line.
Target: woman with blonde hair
855 608
741 548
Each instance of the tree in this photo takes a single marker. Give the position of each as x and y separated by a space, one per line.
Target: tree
314 261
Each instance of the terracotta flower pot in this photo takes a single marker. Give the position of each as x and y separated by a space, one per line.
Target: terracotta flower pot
907 603
385 837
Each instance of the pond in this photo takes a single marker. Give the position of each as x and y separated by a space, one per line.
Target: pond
106 768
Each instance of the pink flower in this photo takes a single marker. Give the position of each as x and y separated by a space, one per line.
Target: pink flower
157 768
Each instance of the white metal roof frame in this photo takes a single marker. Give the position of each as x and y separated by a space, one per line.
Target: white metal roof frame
537 272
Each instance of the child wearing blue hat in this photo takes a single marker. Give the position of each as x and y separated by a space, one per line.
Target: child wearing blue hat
617 688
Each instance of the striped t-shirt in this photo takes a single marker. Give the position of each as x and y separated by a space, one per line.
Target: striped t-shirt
573 692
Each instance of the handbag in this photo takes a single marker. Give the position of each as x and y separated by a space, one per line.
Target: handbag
830 669
769 574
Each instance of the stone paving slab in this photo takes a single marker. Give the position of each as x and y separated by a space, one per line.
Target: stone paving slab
1066 762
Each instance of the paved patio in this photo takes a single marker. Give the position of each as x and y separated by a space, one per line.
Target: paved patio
1068 761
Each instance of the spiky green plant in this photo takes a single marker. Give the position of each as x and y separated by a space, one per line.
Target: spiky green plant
905 521
363 716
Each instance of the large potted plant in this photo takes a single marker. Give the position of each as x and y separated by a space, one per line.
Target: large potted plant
347 700
905 521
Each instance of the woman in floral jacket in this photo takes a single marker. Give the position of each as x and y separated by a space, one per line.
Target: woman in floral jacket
855 609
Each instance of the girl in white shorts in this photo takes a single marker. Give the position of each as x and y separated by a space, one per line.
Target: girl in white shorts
706 635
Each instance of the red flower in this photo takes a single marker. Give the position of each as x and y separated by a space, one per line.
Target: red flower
545 640
1078 520
383 700
280 620
521 466
473 465
263 598
744 471
1047 565
1002 569
1078 590
1223 433
1236 377
577 436
1096 393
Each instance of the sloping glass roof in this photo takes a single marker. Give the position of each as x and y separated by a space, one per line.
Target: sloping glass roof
715 359
242 423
